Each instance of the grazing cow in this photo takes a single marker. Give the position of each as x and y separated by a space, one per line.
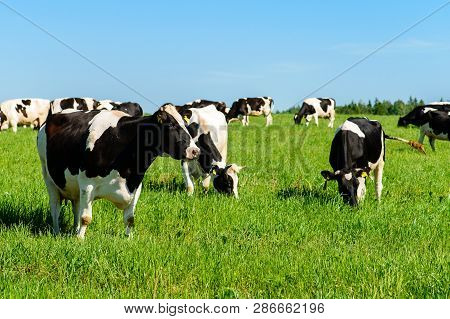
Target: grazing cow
220 106
15 112
315 108
105 154
433 120
357 148
254 106
208 127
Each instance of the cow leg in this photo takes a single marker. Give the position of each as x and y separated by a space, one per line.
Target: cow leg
421 136
247 120
379 179
206 182
316 119
14 126
187 178
85 210
332 115
55 206
76 215
269 119
432 140
128 213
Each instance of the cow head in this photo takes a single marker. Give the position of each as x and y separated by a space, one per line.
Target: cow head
174 136
402 122
225 180
305 110
351 183
133 109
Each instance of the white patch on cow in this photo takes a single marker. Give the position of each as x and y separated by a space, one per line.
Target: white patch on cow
348 176
428 109
35 113
361 190
67 111
352 127
100 123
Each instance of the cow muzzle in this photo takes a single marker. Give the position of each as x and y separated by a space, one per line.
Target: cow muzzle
192 152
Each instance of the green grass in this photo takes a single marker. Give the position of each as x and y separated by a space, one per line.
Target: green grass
284 238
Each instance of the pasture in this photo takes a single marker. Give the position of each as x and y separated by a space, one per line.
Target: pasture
285 237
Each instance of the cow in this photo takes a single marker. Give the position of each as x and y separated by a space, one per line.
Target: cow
220 106
315 108
254 106
104 154
89 104
358 148
25 112
433 120
208 127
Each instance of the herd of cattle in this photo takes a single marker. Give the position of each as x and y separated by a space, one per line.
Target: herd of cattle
93 149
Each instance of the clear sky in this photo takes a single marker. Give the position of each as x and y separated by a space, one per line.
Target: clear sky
177 51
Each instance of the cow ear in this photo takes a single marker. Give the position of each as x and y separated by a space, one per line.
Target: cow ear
234 168
329 176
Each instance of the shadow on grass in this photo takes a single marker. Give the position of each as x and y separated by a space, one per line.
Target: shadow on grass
167 186
307 194
37 219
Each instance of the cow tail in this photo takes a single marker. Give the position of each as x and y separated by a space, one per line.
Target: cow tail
418 146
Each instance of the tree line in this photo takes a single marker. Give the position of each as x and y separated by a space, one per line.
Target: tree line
377 107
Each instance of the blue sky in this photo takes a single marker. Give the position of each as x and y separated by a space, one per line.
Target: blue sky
178 51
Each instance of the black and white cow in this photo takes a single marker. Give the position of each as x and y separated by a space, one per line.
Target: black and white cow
358 147
25 112
315 108
433 120
105 154
251 106
208 127
220 106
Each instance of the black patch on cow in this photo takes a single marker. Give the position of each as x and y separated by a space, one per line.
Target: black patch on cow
95 104
223 182
3 118
22 109
133 109
208 152
193 129
439 122
324 104
82 104
67 103
26 102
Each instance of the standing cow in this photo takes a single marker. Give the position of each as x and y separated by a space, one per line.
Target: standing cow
104 154
251 106
357 148
15 112
208 127
433 120
315 108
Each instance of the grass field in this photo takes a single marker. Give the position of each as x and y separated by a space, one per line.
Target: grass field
285 237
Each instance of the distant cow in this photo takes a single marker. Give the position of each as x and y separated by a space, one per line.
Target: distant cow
15 112
358 147
315 108
104 154
209 129
220 106
433 120
251 106
89 104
